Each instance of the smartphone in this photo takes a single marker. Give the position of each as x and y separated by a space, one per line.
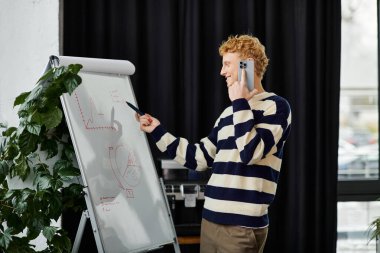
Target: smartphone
248 65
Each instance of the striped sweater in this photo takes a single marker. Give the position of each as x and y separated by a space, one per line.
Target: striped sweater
244 150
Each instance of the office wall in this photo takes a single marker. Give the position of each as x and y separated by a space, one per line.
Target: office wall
29 35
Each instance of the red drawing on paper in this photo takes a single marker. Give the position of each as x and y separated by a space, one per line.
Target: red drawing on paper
125 168
115 96
129 193
106 203
93 118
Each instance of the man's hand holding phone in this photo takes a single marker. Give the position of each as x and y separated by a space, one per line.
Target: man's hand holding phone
244 87
247 66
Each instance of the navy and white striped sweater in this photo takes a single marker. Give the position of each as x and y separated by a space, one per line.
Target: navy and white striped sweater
244 150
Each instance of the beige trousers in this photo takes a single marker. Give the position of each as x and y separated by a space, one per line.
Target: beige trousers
216 238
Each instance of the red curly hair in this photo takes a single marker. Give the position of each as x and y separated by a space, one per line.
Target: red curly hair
248 47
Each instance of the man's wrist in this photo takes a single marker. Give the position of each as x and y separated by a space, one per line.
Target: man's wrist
158 132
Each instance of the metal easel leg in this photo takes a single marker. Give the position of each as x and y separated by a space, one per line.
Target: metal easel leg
175 243
80 231
176 247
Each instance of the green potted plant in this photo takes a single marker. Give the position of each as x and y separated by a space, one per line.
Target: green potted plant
39 148
374 231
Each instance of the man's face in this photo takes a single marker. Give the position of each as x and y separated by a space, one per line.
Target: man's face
230 67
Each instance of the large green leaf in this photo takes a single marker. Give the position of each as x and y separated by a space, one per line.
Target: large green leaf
10 152
21 207
20 245
50 119
32 233
47 75
55 206
38 222
21 98
9 131
34 128
28 142
40 168
50 146
75 189
59 71
10 194
75 68
56 184
26 194
43 181
49 232
68 172
34 95
4 168
73 197
72 83
6 238
60 165
40 197
14 221
21 127
69 152
23 114
61 243
21 166
27 108
54 91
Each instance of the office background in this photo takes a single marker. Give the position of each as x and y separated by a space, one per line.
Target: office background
173 44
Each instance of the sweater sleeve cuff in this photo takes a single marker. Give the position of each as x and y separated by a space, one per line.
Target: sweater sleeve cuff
240 104
158 132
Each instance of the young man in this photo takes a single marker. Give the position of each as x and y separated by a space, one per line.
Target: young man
244 150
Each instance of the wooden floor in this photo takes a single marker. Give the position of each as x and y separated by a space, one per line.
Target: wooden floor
188 240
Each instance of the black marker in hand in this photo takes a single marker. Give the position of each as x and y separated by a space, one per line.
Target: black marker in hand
135 108
141 113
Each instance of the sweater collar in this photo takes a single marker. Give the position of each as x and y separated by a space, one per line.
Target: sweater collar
261 96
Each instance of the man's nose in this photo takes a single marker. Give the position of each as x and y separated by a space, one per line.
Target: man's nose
222 71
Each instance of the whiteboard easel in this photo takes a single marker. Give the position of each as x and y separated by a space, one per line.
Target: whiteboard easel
82 224
126 202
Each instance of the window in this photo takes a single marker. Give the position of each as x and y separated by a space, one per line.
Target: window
358 159
358 134
353 221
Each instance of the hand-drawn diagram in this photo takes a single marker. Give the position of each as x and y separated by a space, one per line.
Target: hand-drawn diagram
92 117
125 167
107 203
115 96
